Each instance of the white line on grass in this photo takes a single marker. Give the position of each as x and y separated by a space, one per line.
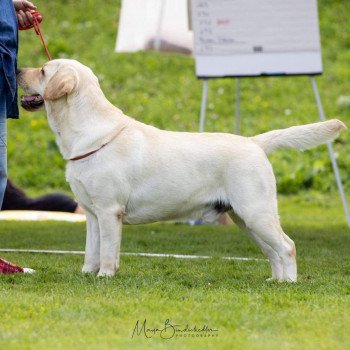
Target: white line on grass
150 255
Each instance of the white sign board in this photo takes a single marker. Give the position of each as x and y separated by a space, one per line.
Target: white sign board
256 37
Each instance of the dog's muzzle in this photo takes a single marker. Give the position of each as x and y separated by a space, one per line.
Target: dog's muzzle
32 102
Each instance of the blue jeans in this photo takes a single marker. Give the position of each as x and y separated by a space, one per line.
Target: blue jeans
3 148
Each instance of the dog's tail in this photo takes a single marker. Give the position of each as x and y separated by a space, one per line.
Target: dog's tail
300 137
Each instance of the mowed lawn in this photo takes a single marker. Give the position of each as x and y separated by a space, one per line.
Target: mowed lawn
59 308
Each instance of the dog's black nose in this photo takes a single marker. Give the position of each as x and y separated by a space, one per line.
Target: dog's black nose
18 71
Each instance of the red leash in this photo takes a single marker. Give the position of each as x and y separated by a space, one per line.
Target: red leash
36 26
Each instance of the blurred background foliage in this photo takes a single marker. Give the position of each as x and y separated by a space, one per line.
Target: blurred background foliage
162 90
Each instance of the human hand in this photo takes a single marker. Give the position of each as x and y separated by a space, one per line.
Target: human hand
24 16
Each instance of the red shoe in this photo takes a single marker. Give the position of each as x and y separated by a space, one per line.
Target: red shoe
9 268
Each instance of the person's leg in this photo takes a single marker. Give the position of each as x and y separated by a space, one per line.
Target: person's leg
5 266
3 148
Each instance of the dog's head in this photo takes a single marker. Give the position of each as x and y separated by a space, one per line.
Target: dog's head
56 80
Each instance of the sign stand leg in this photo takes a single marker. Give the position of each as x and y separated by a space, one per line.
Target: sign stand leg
331 152
203 105
238 107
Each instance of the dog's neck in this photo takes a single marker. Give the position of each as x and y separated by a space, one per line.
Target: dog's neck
82 125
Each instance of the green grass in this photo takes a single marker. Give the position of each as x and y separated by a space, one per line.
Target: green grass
59 308
161 89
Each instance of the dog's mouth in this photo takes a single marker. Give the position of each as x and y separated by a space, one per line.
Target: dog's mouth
32 102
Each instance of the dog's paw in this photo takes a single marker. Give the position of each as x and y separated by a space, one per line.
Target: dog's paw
106 273
281 280
90 268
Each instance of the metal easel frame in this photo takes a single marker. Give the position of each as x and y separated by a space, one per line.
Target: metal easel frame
322 118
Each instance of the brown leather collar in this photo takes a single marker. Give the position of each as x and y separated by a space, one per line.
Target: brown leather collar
92 152
88 154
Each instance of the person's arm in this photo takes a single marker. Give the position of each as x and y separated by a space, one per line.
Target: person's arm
23 11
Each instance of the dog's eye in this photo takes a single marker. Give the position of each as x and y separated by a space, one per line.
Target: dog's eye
42 71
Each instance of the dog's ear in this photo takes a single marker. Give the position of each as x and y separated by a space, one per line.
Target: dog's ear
61 83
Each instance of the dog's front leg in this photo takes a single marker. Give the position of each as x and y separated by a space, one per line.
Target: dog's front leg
110 223
92 247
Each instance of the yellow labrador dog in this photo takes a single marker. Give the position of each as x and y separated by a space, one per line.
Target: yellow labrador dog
123 171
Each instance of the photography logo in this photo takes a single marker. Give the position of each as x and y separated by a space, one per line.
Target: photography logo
170 330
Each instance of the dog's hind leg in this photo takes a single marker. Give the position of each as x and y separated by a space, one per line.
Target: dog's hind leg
274 258
92 247
252 196
266 231
264 227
